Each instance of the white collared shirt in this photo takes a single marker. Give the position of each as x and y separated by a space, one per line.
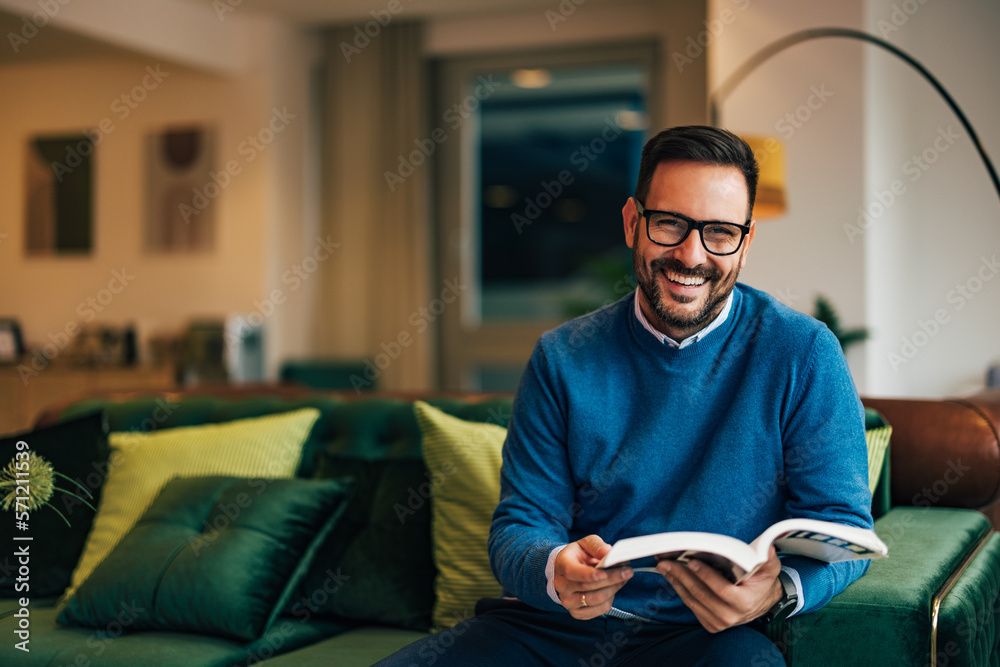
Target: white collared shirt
667 340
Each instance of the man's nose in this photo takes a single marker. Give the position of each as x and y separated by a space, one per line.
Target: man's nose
691 252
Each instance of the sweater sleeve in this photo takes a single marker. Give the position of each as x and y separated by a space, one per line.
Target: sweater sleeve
826 463
535 510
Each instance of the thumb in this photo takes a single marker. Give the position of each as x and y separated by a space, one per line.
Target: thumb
594 546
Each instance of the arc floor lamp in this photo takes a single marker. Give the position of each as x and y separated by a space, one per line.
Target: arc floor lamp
737 77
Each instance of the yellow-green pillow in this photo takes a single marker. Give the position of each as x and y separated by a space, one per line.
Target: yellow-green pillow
141 464
465 460
878 444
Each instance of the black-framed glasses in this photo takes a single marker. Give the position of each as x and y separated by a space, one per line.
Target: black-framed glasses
670 229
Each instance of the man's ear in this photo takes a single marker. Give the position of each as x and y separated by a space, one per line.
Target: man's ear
747 241
630 217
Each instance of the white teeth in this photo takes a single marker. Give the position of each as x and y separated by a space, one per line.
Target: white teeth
690 281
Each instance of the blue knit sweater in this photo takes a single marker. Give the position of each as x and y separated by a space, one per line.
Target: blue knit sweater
617 434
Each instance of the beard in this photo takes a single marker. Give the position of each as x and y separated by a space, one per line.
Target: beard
720 287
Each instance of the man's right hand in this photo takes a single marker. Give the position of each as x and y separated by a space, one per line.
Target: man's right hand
583 589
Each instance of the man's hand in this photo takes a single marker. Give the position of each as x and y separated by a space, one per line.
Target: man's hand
583 589
717 603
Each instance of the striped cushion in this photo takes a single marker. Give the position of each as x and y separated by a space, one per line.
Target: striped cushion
464 458
878 444
141 464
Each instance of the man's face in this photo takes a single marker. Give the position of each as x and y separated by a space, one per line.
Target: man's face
683 288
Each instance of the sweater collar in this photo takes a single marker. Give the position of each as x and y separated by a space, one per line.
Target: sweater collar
690 340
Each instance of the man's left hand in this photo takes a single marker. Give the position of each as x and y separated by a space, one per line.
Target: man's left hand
717 603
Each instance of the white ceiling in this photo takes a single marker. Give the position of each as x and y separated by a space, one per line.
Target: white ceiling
53 42
319 12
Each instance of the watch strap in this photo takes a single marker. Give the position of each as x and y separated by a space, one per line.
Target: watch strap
783 608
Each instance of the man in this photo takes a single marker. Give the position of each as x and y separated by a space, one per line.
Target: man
695 403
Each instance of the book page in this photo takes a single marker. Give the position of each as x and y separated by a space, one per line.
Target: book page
823 540
730 556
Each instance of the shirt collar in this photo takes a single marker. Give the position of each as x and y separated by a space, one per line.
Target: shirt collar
690 340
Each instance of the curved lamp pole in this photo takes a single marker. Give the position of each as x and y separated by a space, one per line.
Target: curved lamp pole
734 79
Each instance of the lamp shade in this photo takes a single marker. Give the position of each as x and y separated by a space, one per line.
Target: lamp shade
770 154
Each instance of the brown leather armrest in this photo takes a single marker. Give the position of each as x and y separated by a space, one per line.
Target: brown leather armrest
945 453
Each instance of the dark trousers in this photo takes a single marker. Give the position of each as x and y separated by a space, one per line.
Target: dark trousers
510 633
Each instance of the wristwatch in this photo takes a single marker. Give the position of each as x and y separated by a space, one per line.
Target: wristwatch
786 605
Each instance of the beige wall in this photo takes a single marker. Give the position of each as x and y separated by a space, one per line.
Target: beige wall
261 225
811 97
932 250
894 273
268 218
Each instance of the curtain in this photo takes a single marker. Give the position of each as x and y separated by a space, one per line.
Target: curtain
375 116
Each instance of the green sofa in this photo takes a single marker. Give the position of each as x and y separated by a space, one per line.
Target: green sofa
933 602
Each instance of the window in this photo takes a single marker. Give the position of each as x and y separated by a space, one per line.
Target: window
530 198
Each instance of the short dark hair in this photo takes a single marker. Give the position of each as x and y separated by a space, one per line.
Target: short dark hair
698 143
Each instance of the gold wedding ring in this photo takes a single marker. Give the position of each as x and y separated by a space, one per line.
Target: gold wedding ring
583 599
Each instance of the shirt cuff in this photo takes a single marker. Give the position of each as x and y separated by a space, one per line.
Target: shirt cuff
797 580
550 576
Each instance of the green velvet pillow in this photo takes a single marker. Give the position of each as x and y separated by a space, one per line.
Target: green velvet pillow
79 450
385 584
212 555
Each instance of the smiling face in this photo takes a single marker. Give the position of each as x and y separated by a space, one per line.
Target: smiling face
683 288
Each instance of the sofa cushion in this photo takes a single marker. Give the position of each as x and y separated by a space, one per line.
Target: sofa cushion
212 555
465 459
142 463
52 644
361 573
890 605
360 647
77 449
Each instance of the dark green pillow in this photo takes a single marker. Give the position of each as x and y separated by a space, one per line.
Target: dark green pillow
383 544
79 450
212 555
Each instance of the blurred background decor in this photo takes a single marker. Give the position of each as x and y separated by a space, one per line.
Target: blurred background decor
11 342
181 193
59 174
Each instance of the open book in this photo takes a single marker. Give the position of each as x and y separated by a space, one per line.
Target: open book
737 560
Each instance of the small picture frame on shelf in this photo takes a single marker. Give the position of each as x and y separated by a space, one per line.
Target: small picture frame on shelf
11 342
